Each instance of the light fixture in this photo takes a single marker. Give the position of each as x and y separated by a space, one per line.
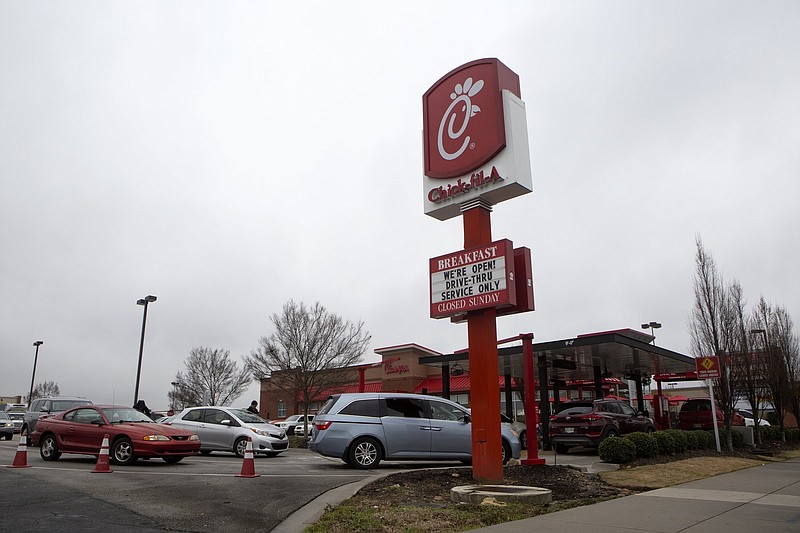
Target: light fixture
141 301
651 326
456 370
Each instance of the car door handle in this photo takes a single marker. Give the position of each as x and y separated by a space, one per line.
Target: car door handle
425 428
436 428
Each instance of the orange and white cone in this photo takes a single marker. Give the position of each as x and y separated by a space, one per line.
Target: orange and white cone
102 465
248 465
21 457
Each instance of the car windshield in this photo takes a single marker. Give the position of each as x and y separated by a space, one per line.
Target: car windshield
247 417
121 415
16 416
575 408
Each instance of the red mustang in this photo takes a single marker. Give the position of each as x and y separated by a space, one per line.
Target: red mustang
131 435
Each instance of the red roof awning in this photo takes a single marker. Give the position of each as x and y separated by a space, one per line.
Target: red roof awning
371 386
457 384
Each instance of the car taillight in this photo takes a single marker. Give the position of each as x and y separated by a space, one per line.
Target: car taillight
592 418
322 425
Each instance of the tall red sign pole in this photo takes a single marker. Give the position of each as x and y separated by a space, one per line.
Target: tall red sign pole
487 458
476 155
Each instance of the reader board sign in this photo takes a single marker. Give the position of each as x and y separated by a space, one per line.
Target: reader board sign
707 367
473 279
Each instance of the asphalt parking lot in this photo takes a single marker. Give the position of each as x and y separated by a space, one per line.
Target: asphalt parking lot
200 493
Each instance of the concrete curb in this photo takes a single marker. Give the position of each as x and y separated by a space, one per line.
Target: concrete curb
312 511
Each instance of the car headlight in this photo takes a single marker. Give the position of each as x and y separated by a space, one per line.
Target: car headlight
155 437
194 437
514 432
260 432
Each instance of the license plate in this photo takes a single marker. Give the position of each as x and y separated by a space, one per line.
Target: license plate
569 430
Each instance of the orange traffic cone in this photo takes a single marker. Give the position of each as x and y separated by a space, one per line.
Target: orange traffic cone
102 465
248 465
21 457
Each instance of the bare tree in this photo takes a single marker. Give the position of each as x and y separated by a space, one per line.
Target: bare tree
44 390
210 376
780 347
747 368
711 327
789 346
309 352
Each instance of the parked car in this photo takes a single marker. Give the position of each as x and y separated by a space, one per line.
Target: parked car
520 427
48 406
290 424
588 423
132 435
226 429
695 413
749 419
6 426
299 431
364 428
17 418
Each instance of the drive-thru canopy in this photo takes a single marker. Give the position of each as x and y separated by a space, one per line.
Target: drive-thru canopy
590 358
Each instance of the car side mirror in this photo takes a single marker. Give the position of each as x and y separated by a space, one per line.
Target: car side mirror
97 421
226 422
467 419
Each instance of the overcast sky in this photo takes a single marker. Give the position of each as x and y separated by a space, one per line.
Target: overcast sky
229 156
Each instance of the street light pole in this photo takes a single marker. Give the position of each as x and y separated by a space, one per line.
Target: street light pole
652 326
144 301
174 394
33 376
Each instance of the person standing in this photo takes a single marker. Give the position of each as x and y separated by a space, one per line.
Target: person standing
253 407
142 408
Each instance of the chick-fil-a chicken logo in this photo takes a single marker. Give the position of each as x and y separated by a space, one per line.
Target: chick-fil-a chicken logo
463 118
462 95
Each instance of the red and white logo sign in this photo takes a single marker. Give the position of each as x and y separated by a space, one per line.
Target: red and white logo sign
463 117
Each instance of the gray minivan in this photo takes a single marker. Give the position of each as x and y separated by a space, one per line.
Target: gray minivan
364 428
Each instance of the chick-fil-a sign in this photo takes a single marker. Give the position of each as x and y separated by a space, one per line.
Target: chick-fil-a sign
463 117
475 138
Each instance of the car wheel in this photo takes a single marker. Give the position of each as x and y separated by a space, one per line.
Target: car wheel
23 430
523 440
122 452
364 453
240 446
506 451
561 448
172 460
48 448
650 429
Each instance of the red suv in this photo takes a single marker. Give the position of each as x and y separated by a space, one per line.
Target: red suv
696 414
588 423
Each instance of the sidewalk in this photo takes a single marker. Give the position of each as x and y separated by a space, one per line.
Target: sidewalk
753 500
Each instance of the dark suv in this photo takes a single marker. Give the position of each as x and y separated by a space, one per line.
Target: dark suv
588 423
